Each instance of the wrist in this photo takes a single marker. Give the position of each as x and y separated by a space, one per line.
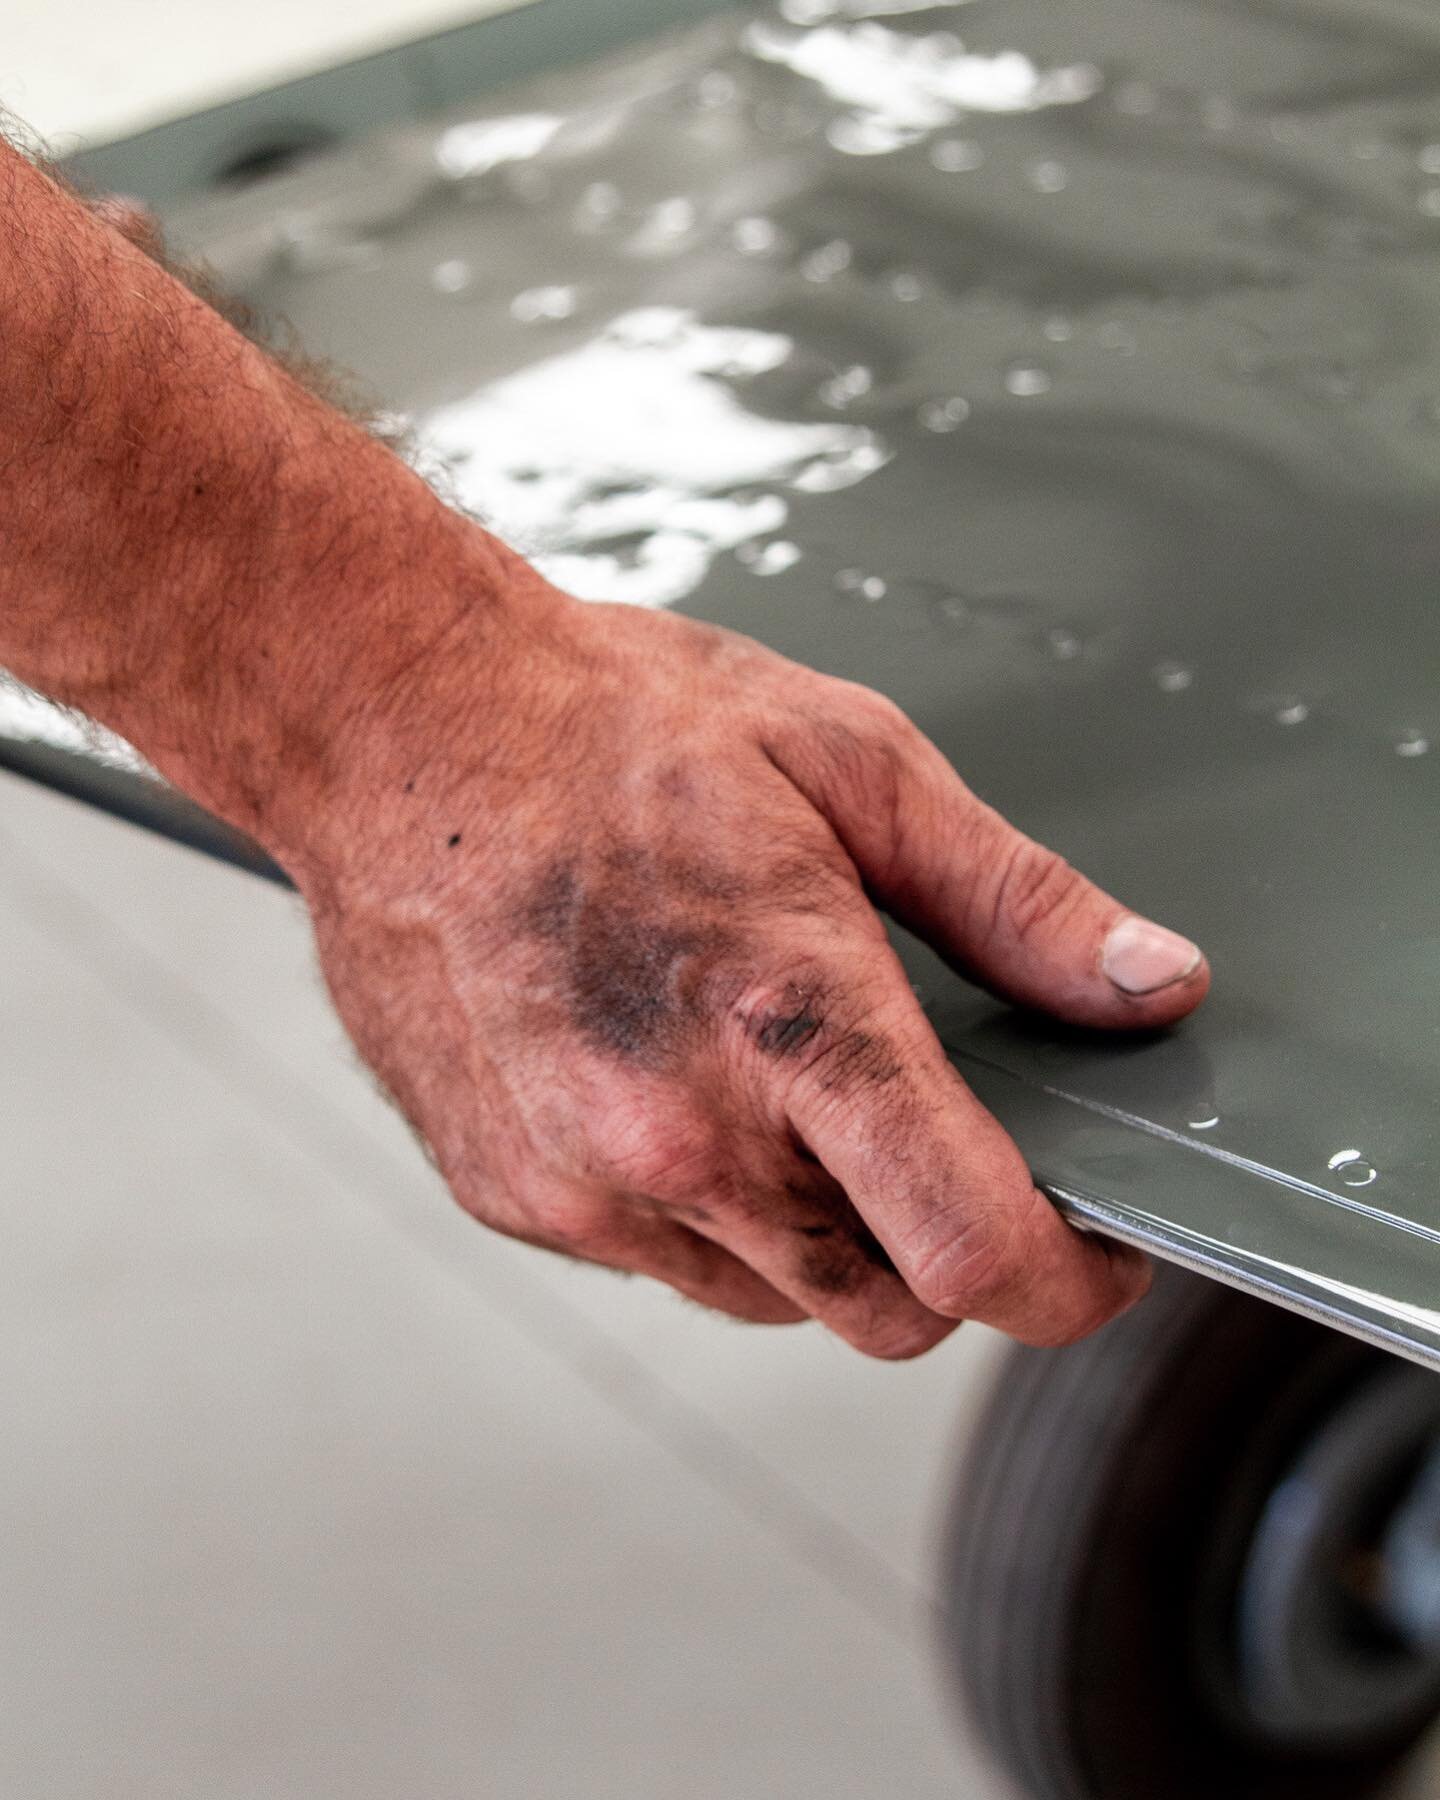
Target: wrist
377 643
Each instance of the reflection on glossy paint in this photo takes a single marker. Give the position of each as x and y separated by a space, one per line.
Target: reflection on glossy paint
632 495
27 716
902 87
816 12
484 144
1140 325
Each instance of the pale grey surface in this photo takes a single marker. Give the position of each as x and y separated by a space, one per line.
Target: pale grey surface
312 1490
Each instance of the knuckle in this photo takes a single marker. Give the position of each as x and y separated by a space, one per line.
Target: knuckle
870 707
1036 889
654 1152
819 1039
964 1273
862 740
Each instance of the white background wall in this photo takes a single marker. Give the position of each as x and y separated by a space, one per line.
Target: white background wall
94 71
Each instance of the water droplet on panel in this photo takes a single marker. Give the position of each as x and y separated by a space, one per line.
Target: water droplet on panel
674 217
828 261
452 276
957 156
1173 677
1429 159
905 287
869 134
1058 329
944 416
544 303
755 236
1027 379
841 469
1429 202
717 92
1352 1168
1063 645
1047 176
1207 1122
773 558
856 581
600 205
1115 334
850 384
1411 743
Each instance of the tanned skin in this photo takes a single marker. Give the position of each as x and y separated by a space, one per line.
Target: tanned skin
594 888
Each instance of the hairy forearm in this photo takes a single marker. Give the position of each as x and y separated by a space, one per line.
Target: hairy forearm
198 551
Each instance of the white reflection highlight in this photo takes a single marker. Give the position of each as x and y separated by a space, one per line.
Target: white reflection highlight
26 716
483 144
903 87
816 12
617 464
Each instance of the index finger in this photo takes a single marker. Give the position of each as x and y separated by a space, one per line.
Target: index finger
943 1186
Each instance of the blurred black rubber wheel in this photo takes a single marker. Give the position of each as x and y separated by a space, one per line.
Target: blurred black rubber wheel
1134 1609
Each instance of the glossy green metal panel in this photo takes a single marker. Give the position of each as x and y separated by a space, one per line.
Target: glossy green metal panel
1072 374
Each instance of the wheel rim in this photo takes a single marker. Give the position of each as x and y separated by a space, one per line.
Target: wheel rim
1331 1646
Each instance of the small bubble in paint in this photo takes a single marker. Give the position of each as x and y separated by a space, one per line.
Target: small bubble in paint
1292 712
1173 677
1411 743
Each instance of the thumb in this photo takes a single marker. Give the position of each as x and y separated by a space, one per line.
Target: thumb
1005 910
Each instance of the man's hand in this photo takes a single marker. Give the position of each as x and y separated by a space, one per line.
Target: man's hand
593 887
607 940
